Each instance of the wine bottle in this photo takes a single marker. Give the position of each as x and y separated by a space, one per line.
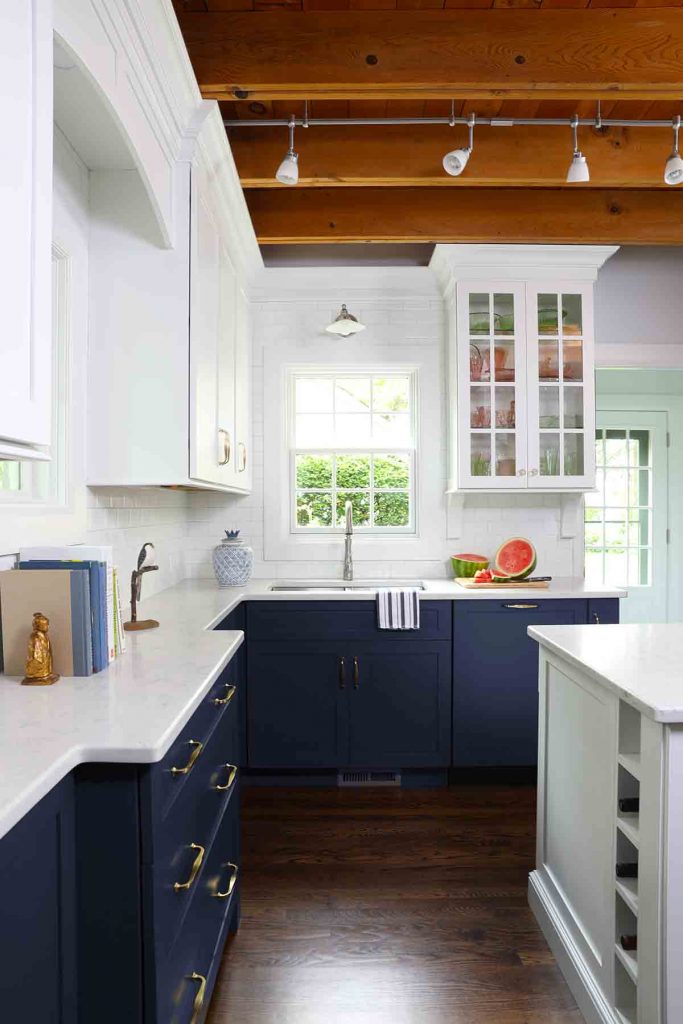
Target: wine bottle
629 942
626 869
629 804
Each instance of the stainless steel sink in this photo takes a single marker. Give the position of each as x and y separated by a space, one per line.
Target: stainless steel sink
340 586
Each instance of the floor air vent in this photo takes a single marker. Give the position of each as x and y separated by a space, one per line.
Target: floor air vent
368 778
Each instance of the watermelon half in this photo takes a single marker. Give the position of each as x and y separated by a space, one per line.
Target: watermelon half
515 559
468 564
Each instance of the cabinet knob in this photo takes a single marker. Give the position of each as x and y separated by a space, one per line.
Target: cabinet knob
533 472
521 472
198 1003
224 447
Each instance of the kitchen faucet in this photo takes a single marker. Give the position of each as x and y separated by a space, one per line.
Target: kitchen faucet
348 539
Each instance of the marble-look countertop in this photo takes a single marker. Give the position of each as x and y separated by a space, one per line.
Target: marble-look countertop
133 710
640 663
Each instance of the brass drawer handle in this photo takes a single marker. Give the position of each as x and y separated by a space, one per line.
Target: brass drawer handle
520 605
231 883
243 457
179 886
198 1003
230 692
224 449
341 665
232 774
356 674
197 749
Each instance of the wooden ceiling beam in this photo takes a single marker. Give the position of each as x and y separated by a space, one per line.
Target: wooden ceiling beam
551 216
378 55
397 155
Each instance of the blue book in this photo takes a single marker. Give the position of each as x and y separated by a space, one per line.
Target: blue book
81 631
97 603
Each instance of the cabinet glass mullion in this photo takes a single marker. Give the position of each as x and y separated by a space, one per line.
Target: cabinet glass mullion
493 358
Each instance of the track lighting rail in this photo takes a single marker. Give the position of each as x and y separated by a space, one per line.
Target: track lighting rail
493 122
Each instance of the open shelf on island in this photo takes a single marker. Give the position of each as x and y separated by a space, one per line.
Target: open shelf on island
629 825
631 762
630 961
628 890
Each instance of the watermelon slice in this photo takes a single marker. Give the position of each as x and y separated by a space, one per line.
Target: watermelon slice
516 558
467 564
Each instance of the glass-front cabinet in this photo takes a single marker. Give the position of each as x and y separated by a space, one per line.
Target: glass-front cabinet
524 411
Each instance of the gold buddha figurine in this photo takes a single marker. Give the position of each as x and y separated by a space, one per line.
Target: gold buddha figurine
39 669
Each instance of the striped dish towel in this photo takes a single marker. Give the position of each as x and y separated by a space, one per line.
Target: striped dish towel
398 609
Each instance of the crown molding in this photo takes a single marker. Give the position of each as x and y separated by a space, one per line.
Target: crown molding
451 263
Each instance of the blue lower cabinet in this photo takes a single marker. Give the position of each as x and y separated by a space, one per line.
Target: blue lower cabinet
37 933
158 879
495 675
382 702
297 699
399 705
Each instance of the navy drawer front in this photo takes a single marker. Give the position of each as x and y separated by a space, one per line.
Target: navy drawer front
166 785
339 621
198 947
182 849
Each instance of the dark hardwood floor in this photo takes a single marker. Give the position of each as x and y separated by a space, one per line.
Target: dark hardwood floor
389 907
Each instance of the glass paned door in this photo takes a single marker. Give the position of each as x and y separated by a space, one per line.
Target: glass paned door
560 393
626 515
491 375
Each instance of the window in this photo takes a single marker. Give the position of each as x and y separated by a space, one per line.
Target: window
619 513
353 439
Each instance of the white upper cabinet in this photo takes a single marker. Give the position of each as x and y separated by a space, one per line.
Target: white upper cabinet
26 218
521 356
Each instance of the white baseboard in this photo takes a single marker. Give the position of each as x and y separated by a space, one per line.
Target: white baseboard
589 997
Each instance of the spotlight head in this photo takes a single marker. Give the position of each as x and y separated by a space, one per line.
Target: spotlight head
673 171
578 168
455 162
288 171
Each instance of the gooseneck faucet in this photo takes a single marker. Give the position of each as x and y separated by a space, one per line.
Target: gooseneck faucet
348 540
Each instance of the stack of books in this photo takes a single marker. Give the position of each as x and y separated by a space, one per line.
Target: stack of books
77 588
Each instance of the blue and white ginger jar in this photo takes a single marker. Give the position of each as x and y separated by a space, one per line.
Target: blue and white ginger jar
233 560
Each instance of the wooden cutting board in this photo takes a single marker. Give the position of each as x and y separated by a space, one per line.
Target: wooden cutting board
468 583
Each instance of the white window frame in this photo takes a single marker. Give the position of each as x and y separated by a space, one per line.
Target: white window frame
425 543
411 451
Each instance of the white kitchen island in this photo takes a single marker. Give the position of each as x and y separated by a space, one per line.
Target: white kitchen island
611 727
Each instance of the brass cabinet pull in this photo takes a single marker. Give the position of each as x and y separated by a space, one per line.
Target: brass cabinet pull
533 472
230 692
356 673
342 673
231 883
521 472
596 617
197 863
197 749
198 1003
243 457
232 774
520 605
225 446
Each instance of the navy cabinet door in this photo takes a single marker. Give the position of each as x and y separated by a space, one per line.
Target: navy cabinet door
297 698
37 915
400 704
495 677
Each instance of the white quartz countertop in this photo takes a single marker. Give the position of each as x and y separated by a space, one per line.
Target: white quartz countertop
641 663
434 590
133 710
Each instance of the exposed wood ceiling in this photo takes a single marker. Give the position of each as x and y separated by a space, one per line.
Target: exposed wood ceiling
527 58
